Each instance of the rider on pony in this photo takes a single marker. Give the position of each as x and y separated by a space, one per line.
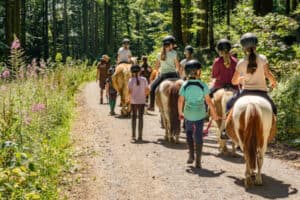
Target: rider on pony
252 72
188 53
168 64
124 53
223 67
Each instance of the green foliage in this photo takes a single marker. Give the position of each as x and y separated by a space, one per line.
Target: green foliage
58 58
273 31
287 98
35 120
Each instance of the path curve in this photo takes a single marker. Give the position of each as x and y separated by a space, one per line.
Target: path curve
110 167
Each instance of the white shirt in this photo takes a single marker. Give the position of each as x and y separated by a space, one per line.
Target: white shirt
124 54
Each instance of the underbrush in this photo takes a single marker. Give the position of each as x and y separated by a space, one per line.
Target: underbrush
35 116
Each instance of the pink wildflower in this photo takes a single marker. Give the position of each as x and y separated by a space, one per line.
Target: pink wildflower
38 107
16 44
27 120
6 74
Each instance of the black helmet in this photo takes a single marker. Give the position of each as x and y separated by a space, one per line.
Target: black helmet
192 65
135 69
169 40
189 48
126 40
224 45
249 40
111 70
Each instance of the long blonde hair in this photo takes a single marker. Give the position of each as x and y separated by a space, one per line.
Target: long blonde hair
163 53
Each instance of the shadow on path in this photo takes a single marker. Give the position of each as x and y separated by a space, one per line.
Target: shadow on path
271 189
204 172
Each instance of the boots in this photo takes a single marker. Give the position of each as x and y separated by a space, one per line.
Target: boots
133 129
198 155
191 153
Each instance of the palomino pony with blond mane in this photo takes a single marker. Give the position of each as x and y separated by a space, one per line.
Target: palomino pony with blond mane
220 99
251 124
167 95
120 81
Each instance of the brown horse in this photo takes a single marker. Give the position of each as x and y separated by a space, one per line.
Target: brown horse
167 95
220 99
251 124
120 82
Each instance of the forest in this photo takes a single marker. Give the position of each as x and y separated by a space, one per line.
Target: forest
48 48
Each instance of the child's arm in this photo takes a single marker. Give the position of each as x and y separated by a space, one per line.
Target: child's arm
270 76
212 108
177 64
180 106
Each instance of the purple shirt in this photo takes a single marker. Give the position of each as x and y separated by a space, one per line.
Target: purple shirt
138 94
222 74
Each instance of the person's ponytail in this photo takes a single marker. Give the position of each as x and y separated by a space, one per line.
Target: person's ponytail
137 79
252 65
163 54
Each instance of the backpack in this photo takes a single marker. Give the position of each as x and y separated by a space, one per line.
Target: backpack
194 102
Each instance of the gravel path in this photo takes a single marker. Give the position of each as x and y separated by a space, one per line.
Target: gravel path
110 167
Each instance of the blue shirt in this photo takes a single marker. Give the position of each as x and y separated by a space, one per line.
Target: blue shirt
194 96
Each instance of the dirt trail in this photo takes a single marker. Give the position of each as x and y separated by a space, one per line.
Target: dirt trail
113 168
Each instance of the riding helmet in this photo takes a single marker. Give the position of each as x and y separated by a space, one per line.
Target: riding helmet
224 45
135 69
192 65
249 40
169 40
126 41
189 49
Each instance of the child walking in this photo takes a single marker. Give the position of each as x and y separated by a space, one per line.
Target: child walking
138 90
193 95
111 92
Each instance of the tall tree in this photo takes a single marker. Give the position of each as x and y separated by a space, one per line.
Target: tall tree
288 7
294 4
23 22
203 6
54 28
96 27
262 7
66 30
45 29
85 26
211 26
12 20
188 21
176 21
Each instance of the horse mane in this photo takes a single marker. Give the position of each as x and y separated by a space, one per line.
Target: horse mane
173 111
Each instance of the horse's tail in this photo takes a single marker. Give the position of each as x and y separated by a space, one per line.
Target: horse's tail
253 134
173 111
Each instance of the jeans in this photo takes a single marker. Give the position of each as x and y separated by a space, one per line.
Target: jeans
156 83
260 93
137 111
194 131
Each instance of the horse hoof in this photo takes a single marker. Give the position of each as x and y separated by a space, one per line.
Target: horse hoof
258 180
248 182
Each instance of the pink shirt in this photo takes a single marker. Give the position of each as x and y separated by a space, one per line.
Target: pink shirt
138 95
222 74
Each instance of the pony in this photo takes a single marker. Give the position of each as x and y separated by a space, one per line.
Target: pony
251 124
167 95
220 99
120 80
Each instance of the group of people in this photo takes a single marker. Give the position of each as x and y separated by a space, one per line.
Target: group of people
247 77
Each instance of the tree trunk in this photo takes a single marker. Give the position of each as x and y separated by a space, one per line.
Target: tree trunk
288 7
54 28
96 35
106 24
12 20
45 30
294 4
66 31
188 19
211 26
85 27
23 23
262 7
203 6
137 28
176 21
